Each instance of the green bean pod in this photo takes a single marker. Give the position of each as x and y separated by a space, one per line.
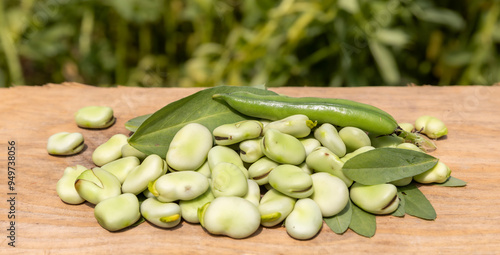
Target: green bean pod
340 112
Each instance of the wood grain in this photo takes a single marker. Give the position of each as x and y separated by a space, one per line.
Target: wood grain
468 219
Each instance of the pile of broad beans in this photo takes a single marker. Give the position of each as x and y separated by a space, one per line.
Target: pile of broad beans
234 179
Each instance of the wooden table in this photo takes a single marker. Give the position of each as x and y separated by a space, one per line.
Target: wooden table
468 220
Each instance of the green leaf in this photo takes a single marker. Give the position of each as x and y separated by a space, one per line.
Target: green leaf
452 182
400 212
340 223
416 204
156 132
384 165
362 223
133 124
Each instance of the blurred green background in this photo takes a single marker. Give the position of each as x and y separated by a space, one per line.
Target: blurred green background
277 43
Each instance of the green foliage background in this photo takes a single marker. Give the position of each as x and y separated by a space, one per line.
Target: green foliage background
249 42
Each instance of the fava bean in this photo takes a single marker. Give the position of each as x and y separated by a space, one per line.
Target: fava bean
228 180
163 215
305 220
291 181
310 144
376 199
408 127
120 168
282 148
96 185
225 154
438 174
298 125
253 194
95 117
330 193
322 159
431 126
65 143
189 147
259 171
235 217
228 134
250 150
354 138
328 136
149 170
110 150
183 185
189 208
117 212
274 207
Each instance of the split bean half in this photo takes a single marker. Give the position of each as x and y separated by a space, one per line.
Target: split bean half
66 185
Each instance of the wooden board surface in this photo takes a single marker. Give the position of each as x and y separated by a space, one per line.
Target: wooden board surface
468 220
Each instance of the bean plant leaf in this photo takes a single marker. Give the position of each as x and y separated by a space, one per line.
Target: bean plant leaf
416 204
452 182
400 212
155 134
340 223
363 223
384 165
133 124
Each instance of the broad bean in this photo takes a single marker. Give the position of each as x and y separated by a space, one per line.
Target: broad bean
329 137
322 159
305 220
291 181
118 212
163 215
225 154
250 150
259 171
189 208
184 185
96 185
330 193
65 143
274 207
431 126
298 125
354 138
228 134
120 168
282 148
149 170
189 147
235 217
95 117
110 150
376 199
228 180
438 174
